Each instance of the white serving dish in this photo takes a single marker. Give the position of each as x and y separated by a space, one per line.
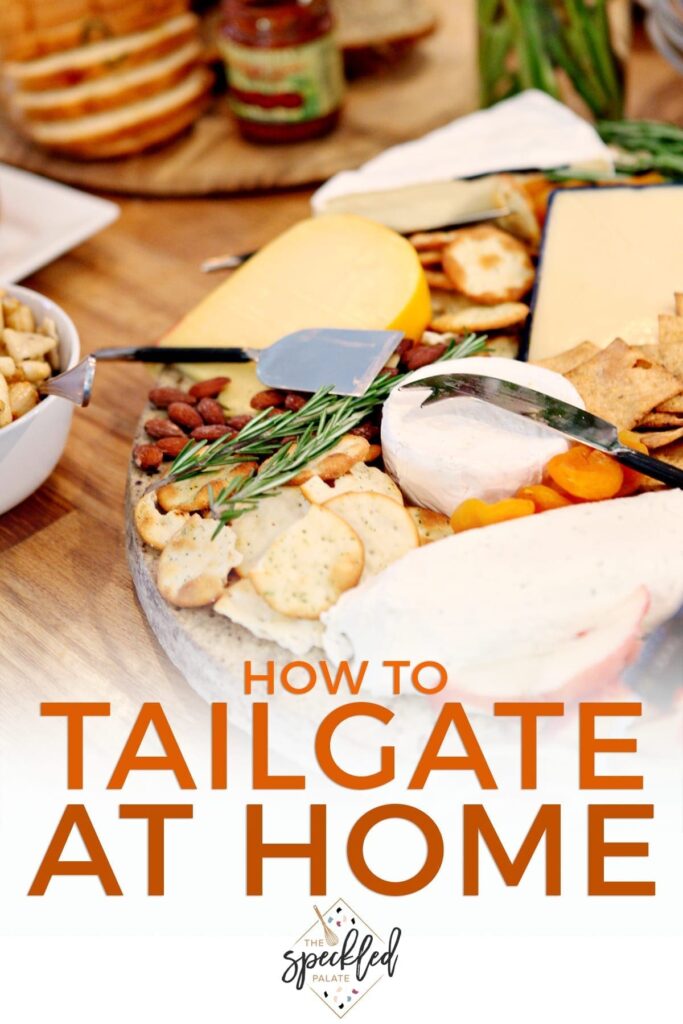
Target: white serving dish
31 446
41 219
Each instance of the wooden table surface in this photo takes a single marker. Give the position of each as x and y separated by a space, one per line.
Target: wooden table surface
69 620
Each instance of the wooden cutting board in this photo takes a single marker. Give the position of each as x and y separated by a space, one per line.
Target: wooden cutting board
431 85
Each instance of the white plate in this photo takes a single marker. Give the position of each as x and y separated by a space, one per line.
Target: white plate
41 219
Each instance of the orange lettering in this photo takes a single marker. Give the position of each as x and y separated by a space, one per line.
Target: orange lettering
323 746
344 673
171 760
405 812
528 715
589 746
74 712
75 816
261 777
396 667
219 746
434 687
547 823
156 815
314 851
253 677
473 760
598 850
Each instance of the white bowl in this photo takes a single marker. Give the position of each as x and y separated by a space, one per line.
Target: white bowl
30 447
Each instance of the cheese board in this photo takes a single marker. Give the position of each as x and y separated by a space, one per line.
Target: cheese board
273 525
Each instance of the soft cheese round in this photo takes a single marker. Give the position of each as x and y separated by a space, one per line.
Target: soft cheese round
463 448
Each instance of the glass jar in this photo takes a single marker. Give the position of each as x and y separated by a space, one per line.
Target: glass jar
284 68
572 49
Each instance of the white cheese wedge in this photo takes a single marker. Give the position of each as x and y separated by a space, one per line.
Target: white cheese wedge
463 448
610 263
514 592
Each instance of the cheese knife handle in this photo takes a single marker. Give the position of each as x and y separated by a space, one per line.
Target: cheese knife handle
171 354
650 466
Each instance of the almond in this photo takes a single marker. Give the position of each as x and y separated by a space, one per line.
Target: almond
162 397
158 428
368 430
211 411
294 402
148 456
184 415
423 355
237 422
211 432
171 446
271 398
209 388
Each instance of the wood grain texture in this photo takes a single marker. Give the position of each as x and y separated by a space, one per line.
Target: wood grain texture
431 85
69 620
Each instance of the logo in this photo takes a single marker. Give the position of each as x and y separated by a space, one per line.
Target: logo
340 957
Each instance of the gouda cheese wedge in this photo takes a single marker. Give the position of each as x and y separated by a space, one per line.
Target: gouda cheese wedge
337 270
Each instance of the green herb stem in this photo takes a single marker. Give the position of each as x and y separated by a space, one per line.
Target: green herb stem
334 418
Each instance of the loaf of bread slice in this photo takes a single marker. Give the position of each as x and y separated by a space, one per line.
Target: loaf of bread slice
112 97
109 91
130 128
36 28
95 60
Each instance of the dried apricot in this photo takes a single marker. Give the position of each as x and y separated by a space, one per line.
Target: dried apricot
586 473
474 513
633 480
543 497
630 439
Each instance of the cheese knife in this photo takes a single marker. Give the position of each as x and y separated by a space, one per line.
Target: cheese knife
560 416
345 360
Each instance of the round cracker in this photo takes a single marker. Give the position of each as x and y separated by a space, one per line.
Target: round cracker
156 528
431 526
480 318
194 566
309 566
488 265
386 529
361 478
256 530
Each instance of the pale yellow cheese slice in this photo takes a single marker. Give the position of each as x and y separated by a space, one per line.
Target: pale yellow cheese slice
611 261
337 270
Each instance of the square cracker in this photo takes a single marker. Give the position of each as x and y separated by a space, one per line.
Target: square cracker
660 420
673 454
672 405
622 385
661 438
670 329
667 354
564 362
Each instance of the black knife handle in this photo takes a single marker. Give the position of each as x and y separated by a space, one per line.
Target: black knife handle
650 466
178 354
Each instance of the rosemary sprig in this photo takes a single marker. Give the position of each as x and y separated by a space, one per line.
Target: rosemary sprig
334 417
646 146
263 435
